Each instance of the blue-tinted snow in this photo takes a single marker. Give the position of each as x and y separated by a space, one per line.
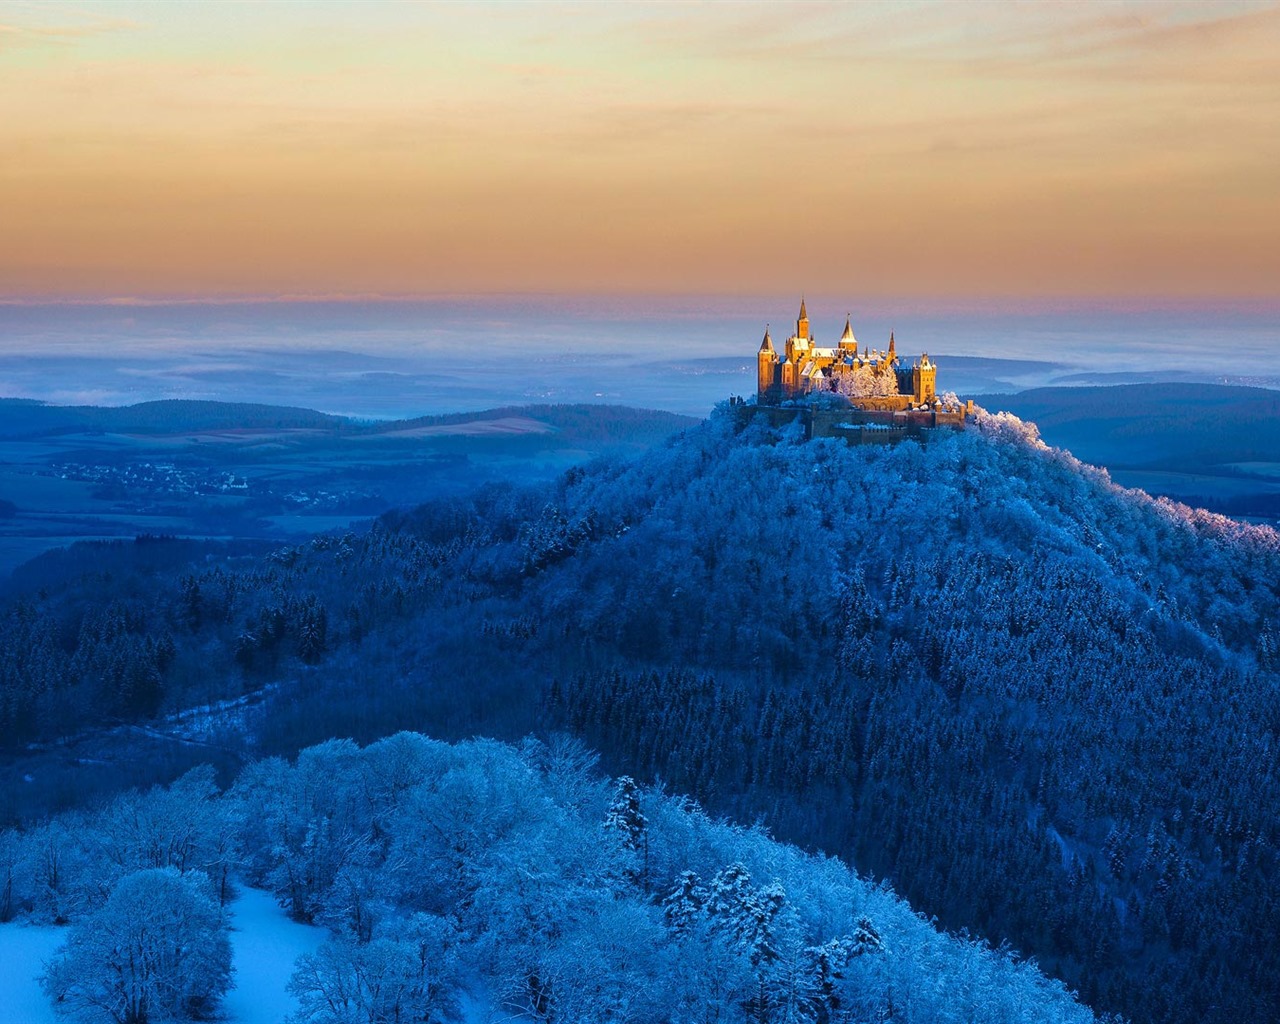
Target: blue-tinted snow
264 943
23 952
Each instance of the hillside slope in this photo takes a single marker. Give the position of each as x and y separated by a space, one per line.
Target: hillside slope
1203 444
978 668
1028 695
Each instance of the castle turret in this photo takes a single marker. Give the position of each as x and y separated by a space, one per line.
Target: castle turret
766 367
802 325
790 377
847 340
924 378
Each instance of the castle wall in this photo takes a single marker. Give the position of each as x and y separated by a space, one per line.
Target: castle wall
858 426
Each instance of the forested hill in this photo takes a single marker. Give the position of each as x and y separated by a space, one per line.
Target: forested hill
1178 426
1043 706
1028 697
580 423
22 418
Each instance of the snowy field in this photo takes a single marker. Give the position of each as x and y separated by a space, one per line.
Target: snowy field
264 946
264 943
23 951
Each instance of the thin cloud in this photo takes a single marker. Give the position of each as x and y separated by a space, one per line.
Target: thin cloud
13 35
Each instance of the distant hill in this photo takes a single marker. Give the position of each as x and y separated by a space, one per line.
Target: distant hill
577 423
1153 425
22 418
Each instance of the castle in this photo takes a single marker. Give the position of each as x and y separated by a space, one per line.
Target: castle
883 392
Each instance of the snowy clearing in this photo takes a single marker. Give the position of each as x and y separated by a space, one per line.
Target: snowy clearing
264 944
23 951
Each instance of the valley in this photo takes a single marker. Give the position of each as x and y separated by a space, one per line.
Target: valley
224 472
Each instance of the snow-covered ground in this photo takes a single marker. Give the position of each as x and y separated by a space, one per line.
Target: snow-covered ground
23 952
264 944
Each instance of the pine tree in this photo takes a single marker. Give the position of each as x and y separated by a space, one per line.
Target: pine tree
624 817
685 904
627 822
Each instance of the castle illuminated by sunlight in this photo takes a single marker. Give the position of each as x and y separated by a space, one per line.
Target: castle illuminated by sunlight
882 391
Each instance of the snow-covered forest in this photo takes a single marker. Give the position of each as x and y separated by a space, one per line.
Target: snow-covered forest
490 879
1041 706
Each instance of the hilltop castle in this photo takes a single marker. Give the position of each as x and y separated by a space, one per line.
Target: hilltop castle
884 392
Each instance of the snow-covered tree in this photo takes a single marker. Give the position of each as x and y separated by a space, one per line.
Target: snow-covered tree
393 767
626 822
356 901
58 865
863 381
305 826
744 914
605 965
156 951
407 977
15 883
453 833
569 766
683 906
182 826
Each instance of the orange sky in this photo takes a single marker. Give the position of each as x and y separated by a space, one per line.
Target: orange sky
219 150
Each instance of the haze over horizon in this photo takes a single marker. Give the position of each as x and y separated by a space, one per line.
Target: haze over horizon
961 153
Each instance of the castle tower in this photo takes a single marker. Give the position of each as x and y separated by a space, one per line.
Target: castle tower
893 349
802 325
790 377
847 340
766 367
924 378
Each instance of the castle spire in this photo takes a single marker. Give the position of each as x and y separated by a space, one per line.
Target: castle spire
848 329
893 350
767 344
802 325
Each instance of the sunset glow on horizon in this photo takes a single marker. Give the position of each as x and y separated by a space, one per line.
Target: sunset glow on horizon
220 151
